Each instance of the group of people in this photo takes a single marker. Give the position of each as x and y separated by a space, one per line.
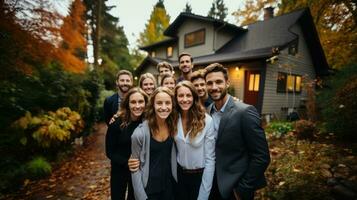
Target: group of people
187 139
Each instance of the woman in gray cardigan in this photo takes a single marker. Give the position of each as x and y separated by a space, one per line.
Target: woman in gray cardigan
152 144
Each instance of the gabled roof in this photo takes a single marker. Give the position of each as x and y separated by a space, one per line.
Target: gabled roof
160 43
275 32
172 29
148 60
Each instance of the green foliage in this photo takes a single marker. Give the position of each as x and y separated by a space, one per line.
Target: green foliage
304 129
218 10
51 129
188 8
154 28
278 128
337 101
38 168
99 106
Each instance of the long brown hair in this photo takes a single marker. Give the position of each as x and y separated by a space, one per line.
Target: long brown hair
150 112
124 111
196 114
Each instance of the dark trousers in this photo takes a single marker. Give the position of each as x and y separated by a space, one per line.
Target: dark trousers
216 195
120 179
189 182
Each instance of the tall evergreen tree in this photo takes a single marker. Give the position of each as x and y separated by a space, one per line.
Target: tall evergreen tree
154 28
218 10
188 8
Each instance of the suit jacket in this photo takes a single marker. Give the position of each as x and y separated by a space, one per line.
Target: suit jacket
110 107
242 153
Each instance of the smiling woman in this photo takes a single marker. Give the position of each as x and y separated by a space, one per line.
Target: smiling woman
152 144
118 142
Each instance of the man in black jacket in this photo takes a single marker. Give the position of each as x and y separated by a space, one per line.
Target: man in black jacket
242 153
124 81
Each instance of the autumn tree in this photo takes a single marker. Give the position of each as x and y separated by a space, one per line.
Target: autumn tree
154 28
218 10
252 11
73 33
188 8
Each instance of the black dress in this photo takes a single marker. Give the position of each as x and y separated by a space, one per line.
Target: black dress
118 149
160 182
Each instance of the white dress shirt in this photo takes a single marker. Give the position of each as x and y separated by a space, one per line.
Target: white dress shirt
198 153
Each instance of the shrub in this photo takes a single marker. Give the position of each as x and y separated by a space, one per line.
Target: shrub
52 129
338 103
304 129
278 128
38 168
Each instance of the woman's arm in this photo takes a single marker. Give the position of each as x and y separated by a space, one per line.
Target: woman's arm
136 147
210 157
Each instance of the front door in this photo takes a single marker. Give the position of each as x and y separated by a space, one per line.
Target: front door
251 87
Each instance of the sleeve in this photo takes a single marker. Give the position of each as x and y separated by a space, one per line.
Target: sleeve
258 150
111 144
210 157
136 147
106 110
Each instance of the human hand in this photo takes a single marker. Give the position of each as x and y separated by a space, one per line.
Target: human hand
112 120
133 164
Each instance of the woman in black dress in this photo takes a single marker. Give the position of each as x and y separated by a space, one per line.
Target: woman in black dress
118 142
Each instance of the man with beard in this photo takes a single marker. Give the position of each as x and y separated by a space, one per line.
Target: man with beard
185 66
124 81
198 80
242 153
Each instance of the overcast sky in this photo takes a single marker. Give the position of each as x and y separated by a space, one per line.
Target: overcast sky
133 14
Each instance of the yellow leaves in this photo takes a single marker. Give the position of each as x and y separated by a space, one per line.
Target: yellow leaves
52 128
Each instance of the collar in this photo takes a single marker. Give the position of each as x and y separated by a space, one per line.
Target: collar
223 107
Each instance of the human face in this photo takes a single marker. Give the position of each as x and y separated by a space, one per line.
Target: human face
148 86
162 105
185 64
169 83
136 105
184 98
163 71
217 85
200 85
124 83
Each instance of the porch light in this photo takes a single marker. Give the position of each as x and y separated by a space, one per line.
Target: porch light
237 68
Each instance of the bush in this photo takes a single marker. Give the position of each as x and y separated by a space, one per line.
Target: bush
338 103
52 129
304 129
38 168
278 129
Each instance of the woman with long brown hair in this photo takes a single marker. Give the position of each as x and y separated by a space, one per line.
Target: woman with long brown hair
118 142
152 144
195 141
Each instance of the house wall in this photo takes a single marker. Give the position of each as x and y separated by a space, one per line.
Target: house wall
160 52
301 64
221 38
194 25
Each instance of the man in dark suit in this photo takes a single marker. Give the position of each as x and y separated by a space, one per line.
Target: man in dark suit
242 153
124 81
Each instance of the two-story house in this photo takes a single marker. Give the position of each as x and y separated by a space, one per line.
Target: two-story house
267 60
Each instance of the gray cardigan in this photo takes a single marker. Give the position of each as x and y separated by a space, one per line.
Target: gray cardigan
140 148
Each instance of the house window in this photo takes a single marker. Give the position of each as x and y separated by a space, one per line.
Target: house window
254 82
153 54
288 83
195 38
169 52
293 48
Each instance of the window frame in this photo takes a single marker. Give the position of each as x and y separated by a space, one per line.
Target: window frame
279 89
195 44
